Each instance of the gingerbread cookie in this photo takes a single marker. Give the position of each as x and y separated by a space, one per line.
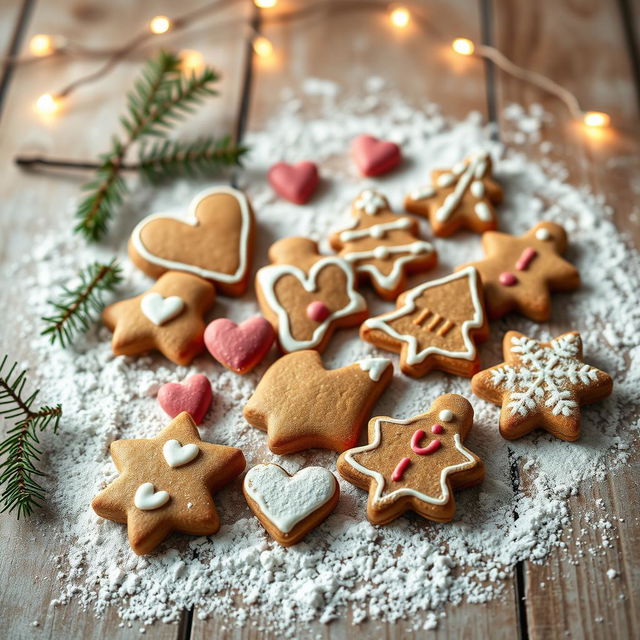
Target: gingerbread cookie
289 506
382 246
416 463
165 484
302 405
306 296
463 197
519 272
541 385
168 317
435 326
213 240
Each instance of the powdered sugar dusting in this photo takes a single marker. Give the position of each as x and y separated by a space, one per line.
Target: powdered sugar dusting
380 572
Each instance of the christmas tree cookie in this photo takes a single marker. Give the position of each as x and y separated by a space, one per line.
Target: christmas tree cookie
383 246
541 385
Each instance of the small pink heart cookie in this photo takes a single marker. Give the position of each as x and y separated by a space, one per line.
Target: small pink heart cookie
373 156
193 396
294 182
239 347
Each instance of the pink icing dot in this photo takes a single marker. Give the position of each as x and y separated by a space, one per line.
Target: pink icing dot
507 279
318 311
437 428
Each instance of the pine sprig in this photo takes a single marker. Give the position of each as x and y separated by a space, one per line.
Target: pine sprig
160 98
168 158
77 306
19 451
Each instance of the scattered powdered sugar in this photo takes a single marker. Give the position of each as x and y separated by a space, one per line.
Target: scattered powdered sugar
385 572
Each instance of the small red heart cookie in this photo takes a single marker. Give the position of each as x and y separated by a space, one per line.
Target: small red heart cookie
373 156
294 182
193 396
239 347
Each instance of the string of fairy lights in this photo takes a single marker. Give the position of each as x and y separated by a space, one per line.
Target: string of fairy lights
399 17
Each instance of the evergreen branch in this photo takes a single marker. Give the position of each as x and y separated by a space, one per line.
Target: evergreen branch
19 451
75 309
168 158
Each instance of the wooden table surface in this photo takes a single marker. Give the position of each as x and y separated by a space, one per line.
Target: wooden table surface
589 46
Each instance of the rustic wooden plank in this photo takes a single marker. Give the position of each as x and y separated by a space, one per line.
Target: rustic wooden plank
564 599
362 44
32 203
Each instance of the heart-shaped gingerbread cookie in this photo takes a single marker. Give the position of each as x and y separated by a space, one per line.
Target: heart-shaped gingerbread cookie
213 240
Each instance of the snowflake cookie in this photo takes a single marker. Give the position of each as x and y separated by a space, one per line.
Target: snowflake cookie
541 384
416 463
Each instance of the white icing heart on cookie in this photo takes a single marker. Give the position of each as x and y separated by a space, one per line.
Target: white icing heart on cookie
287 500
147 498
160 310
177 454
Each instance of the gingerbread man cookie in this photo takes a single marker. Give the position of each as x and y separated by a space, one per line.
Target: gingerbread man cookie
165 484
463 197
541 384
168 317
435 326
213 240
416 463
306 296
519 272
289 506
382 246
302 405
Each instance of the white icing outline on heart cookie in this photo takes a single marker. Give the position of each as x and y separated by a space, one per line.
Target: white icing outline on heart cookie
177 454
261 479
268 277
148 499
190 218
159 309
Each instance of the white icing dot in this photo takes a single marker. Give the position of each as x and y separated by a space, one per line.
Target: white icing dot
377 232
543 234
446 415
458 168
483 212
381 253
477 189
445 180
419 247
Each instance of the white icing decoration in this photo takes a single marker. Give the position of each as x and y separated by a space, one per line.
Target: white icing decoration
287 500
391 280
409 306
446 415
148 499
445 179
405 491
376 230
543 234
482 211
375 366
458 168
538 382
423 192
475 169
370 202
477 189
190 219
381 253
160 310
177 455
268 277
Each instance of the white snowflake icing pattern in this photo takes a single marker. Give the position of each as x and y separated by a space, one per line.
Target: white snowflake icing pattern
370 202
544 376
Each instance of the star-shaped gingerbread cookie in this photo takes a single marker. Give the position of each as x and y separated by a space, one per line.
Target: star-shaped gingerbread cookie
519 272
169 317
541 385
416 463
435 326
382 246
461 197
165 484
302 405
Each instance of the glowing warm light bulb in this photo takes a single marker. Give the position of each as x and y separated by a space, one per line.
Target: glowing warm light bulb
262 46
463 46
265 4
596 119
48 103
41 45
400 17
191 60
160 24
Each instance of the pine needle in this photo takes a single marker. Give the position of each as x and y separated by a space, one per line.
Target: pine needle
76 307
19 451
